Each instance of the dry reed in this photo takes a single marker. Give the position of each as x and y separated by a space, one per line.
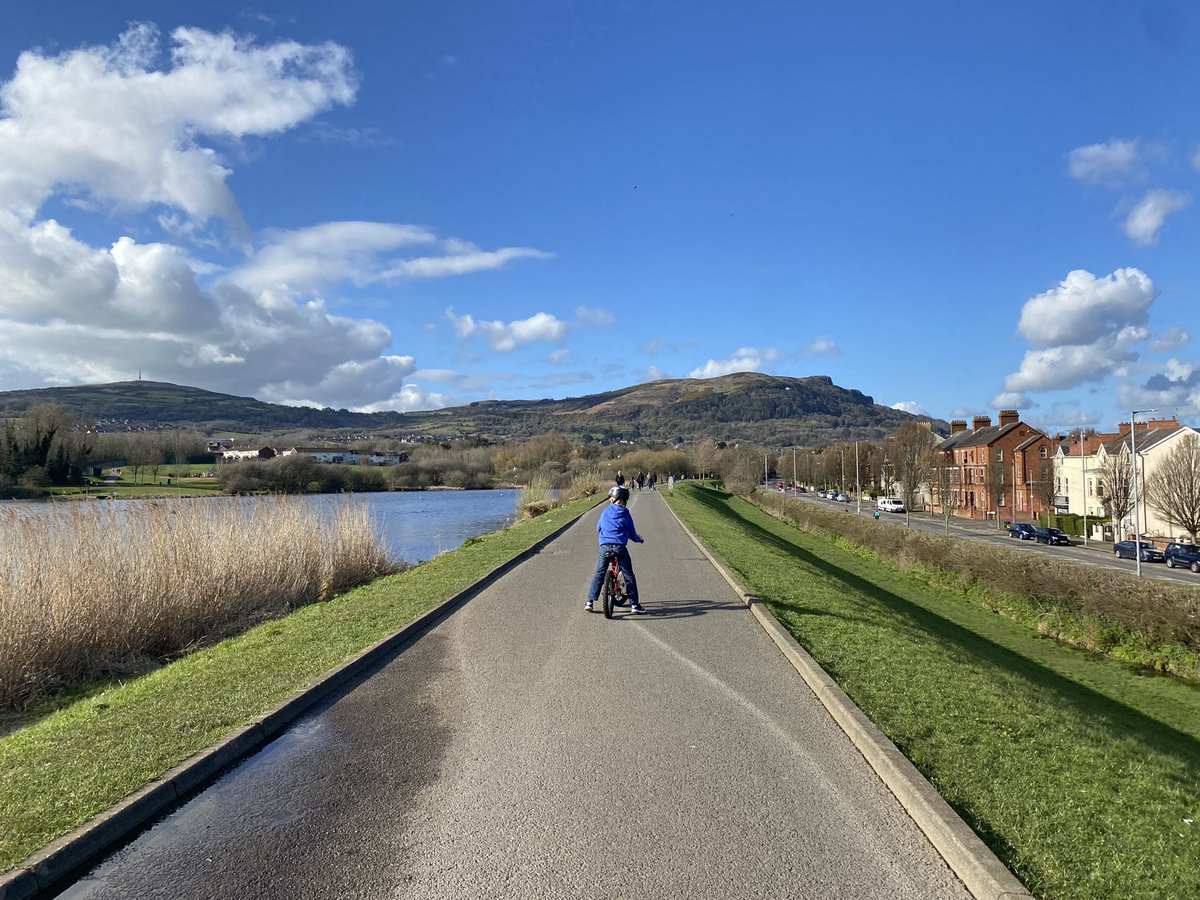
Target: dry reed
93 589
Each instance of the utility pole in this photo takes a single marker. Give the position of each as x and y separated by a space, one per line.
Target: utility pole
857 482
1137 532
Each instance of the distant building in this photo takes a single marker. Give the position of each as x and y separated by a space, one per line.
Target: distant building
1013 457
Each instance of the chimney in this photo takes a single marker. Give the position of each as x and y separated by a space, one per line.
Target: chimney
958 425
981 422
1170 424
1123 427
1009 417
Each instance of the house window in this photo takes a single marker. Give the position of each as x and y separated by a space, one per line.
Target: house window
1001 499
1044 454
999 455
1090 493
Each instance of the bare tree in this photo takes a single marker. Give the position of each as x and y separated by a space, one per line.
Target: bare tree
914 461
945 485
1044 488
1116 486
993 485
1174 488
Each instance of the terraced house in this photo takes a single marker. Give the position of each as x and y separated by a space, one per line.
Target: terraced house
1001 471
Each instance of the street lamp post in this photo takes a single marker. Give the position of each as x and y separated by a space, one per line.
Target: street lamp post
1137 531
1083 469
857 481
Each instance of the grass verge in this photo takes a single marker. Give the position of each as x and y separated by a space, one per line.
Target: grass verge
78 757
1081 773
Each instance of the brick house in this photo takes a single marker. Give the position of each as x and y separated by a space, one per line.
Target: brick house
997 471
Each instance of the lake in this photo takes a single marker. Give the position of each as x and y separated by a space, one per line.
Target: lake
417 525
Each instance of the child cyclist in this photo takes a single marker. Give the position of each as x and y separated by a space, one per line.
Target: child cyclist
616 530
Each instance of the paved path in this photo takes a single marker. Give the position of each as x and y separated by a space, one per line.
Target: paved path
526 749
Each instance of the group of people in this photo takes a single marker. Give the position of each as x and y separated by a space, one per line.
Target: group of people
643 481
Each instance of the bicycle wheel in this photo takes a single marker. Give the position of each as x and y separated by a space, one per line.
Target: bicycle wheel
608 593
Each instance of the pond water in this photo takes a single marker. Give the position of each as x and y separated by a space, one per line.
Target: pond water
417 525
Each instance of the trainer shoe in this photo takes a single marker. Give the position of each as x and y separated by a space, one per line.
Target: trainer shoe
587 607
637 609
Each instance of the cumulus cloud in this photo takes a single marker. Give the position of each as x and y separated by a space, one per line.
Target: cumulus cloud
1176 389
1085 329
114 124
910 406
1084 308
506 336
130 130
822 346
1010 400
1112 163
745 359
1148 216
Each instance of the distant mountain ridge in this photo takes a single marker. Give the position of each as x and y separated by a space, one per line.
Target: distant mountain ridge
771 410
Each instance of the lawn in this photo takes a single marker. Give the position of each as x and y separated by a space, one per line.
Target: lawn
1080 772
74 756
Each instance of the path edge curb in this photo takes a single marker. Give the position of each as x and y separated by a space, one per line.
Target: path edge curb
69 855
979 869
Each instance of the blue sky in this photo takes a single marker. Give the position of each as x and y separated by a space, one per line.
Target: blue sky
950 206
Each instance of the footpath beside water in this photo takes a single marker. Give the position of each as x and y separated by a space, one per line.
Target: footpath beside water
525 748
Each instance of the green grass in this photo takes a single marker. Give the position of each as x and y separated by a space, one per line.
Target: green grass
64 762
1083 775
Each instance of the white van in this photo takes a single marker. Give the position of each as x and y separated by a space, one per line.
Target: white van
888 504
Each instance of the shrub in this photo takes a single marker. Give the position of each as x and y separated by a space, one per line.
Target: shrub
1089 606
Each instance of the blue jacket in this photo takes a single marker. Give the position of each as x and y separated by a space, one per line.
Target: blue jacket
616 526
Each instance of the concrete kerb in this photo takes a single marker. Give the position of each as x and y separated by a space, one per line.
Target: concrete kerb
68 856
979 869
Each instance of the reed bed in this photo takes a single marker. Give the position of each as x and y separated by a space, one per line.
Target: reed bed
92 589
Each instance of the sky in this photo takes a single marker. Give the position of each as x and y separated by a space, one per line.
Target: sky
952 207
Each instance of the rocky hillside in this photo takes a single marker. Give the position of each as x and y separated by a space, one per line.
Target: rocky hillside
746 407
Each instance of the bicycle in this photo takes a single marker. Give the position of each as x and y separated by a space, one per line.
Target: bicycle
613 586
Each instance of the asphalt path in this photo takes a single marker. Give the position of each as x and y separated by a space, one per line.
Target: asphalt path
1094 553
524 748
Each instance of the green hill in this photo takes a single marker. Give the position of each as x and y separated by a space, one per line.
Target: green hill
745 407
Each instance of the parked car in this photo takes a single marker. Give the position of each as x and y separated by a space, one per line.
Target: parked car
889 504
1128 550
1022 530
1051 536
1183 555
842 498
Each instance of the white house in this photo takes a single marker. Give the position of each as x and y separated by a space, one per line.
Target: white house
1078 471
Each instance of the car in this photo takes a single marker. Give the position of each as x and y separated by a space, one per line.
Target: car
1128 550
1022 530
842 498
802 489
1051 536
1178 554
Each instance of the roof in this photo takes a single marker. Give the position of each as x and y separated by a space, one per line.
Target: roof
1145 439
980 437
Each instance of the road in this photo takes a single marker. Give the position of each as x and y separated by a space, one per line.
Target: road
1097 553
524 748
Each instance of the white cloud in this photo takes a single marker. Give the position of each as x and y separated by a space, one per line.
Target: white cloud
822 346
654 373
124 130
595 318
409 398
506 336
558 356
1147 218
1083 308
910 406
113 124
1112 163
1083 330
745 359
1011 400
1171 339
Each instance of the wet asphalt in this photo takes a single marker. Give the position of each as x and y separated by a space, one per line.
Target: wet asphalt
524 748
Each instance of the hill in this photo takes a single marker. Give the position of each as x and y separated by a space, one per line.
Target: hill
745 407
